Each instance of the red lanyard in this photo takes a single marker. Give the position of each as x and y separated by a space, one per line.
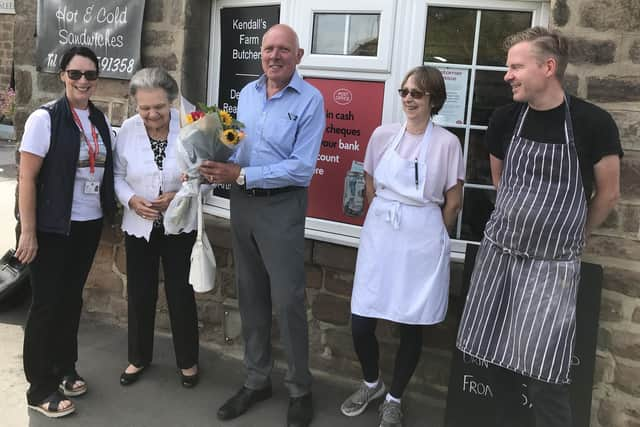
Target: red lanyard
93 151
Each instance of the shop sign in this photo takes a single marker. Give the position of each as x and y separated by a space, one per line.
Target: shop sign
456 81
7 7
353 109
241 31
111 28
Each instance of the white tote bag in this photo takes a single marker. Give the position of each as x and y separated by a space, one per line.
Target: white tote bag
202 275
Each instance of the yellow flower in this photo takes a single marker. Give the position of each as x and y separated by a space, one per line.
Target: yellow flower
225 118
189 119
230 136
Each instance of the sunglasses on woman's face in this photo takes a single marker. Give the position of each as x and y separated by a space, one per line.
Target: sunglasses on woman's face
77 74
415 94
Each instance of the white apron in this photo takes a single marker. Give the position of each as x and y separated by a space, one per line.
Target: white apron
402 270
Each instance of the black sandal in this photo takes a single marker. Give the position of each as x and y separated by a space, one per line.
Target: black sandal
189 381
128 379
53 406
69 381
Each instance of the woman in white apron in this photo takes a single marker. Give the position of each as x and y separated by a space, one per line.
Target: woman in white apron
414 175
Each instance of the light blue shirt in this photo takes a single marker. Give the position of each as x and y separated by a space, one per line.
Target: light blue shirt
283 133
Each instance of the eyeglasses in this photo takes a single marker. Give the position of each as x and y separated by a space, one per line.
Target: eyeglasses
77 74
415 94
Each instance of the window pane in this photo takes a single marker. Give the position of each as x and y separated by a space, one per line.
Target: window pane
449 35
345 34
477 207
363 35
495 26
328 33
490 91
478 168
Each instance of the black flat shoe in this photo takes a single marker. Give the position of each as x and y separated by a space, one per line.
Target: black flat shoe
128 379
189 381
242 401
300 411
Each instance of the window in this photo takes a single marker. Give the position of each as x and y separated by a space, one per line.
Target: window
345 34
466 45
339 35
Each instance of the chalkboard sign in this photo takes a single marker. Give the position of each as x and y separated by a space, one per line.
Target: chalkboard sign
241 32
111 28
470 399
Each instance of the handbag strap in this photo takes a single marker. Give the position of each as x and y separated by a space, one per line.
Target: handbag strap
200 219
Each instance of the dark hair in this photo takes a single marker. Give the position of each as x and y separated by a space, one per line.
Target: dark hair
80 51
430 80
154 78
546 44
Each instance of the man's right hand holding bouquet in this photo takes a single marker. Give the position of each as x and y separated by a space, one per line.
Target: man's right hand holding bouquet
210 136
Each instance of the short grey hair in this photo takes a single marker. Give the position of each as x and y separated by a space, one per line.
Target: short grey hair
154 78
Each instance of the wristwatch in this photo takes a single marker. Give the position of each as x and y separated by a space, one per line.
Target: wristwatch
240 180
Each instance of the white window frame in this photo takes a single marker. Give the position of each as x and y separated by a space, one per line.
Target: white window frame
304 15
401 45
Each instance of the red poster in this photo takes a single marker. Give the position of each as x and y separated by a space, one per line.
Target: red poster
353 111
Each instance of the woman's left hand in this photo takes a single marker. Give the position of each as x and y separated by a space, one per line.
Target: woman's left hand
162 202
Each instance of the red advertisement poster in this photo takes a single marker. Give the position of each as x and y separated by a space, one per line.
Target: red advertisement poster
353 111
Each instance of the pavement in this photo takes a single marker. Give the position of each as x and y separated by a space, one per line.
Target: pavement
157 399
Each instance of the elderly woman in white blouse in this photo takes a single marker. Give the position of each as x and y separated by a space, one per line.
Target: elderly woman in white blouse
147 178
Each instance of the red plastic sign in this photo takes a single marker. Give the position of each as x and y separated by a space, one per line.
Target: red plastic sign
353 111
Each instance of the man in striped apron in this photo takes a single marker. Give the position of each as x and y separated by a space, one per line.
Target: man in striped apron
520 311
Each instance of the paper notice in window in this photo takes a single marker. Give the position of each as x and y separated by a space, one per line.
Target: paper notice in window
456 81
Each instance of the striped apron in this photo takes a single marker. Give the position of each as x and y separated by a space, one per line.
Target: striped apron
520 311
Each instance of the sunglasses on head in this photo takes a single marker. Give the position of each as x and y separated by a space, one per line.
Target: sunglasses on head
77 74
415 94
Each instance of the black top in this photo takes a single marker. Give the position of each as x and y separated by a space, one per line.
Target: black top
595 132
56 178
159 148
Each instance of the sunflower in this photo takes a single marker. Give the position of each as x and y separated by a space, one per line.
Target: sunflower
230 136
225 118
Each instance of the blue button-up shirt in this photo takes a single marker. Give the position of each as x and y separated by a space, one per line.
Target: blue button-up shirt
283 133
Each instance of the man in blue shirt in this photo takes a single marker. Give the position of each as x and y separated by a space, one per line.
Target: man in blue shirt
270 172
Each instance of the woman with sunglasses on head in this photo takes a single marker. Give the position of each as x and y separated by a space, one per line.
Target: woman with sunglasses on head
65 190
413 183
147 177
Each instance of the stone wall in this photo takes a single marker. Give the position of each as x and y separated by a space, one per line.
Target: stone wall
605 66
605 46
6 50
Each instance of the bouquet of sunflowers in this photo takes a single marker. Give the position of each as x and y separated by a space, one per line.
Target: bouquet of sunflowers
208 133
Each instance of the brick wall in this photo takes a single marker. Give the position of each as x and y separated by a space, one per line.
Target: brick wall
605 45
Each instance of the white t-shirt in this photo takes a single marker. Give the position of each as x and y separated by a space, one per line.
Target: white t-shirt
36 140
445 165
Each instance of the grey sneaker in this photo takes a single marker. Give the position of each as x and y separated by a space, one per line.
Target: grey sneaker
390 414
358 401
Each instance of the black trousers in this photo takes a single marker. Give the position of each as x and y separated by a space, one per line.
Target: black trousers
58 275
365 342
143 263
551 402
